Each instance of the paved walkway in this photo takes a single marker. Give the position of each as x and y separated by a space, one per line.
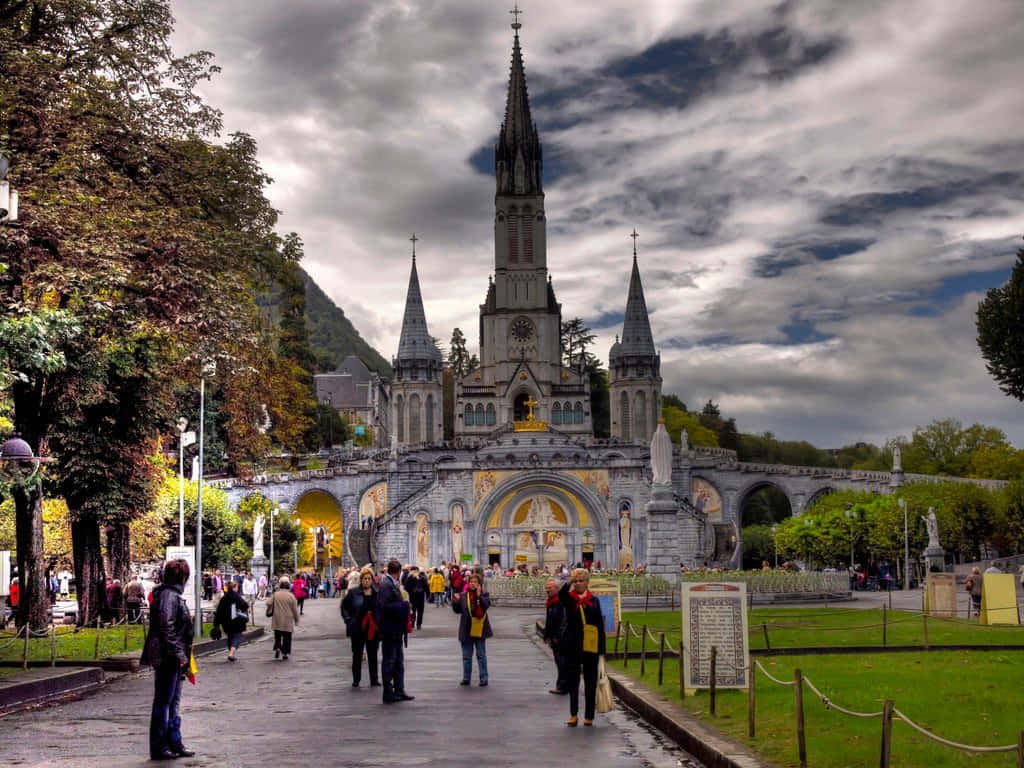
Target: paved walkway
305 712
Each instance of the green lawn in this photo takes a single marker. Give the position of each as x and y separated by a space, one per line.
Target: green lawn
811 627
80 645
973 697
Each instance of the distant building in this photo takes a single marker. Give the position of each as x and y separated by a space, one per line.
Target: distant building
358 394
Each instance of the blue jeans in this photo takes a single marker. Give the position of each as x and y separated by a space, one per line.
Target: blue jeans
481 658
165 722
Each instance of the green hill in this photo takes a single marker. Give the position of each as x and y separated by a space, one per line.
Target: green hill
332 336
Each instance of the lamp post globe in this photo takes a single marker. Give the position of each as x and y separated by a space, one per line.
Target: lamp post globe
17 461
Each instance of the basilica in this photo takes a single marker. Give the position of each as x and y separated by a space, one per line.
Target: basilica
524 481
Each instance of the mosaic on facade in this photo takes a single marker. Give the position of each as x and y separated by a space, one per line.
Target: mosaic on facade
374 503
706 498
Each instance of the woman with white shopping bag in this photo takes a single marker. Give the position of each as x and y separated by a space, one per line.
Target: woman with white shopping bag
584 644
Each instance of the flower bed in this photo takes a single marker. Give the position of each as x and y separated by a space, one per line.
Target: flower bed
778 582
630 585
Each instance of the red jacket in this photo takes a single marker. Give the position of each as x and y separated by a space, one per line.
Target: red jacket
299 588
15 591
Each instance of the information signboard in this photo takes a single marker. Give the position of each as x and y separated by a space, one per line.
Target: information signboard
715 615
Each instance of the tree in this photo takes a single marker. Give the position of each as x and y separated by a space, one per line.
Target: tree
221 524
674 401
676 420
575 338
459 359
1000 324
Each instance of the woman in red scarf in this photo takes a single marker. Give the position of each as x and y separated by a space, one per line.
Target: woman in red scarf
583 645
357 611
474 628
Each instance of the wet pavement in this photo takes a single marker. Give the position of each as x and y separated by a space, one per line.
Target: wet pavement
305 712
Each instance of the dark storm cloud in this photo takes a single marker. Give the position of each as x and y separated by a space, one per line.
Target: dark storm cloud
823 189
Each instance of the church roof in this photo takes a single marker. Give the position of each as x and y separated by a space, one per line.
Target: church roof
637 339
415 342
517 155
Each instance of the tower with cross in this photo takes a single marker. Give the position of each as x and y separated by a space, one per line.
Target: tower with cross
416 390
522 376
634 367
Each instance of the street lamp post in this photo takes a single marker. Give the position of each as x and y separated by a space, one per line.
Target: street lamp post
209 368
807 546
775 545
850 515
906 546
185 439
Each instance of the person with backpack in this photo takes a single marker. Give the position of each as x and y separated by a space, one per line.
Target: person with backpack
300 589
416 586
437 587
231 618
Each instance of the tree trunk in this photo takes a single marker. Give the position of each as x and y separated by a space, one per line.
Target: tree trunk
119 554
89 574
33 600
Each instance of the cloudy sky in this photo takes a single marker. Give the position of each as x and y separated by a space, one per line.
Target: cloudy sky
823 189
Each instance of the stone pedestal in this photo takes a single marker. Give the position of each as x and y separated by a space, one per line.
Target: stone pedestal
663 556
935 557
260 566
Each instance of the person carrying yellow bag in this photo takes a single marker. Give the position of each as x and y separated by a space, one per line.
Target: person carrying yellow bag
474 628
584 643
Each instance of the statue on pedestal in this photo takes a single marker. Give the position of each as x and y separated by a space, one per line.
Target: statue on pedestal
661 455
932 524
257 535
897 459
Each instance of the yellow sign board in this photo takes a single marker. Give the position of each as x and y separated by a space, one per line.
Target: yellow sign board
999 599
522 558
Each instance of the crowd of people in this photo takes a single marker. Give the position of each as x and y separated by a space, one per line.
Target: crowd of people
380 611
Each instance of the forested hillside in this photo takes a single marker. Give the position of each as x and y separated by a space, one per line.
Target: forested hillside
332 336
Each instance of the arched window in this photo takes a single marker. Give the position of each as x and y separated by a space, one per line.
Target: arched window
527 233
577 415
491 415
513 236
400 418
430 418
556 413
467 418
415 427
624 421
479 414
566 410
640 411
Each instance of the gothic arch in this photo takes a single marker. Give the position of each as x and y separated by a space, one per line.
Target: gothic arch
415 420
430 419
818 494
400 417
640 414
624 420
744 494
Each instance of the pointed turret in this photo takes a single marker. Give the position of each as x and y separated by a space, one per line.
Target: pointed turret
635 368
415 342
517 156
637 339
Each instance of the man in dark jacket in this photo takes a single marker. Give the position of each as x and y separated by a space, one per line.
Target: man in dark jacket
168 649
554 635
416 585
393 623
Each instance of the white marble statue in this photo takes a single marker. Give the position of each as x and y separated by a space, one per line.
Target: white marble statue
257 535
897 459
932 524
625 529
684 440
394 446
661 456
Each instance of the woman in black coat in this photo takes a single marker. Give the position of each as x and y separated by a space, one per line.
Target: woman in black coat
583 644
168 649
232 617
357 611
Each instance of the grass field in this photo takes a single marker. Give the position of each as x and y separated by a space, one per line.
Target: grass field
815 627
972 697
71 645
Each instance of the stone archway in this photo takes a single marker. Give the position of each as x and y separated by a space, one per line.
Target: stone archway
541 516
759 506
319 515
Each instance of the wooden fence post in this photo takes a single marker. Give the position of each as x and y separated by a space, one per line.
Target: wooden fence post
886 734
798 696
1020 750
643 650
714 676
883 626
96 649
682 669
924 616
767 642
661 659
647 601
618 631
625 651
24 653
53 645
751 700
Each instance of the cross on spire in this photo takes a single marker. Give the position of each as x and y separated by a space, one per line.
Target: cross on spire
635 235
515 14
413 240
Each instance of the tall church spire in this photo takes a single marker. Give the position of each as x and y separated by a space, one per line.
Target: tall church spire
637 339
517 156
415 342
